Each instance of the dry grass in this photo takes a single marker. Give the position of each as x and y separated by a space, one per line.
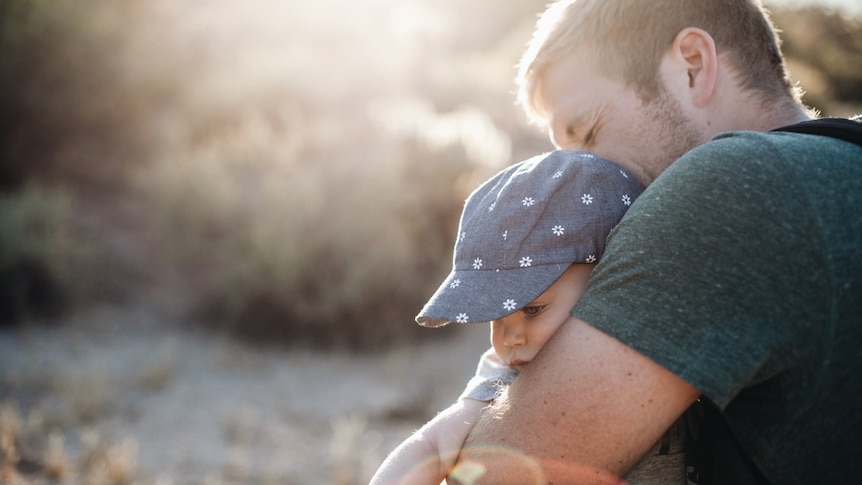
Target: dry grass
29 456
227 414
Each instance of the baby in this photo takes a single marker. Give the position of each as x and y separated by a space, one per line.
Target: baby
527 242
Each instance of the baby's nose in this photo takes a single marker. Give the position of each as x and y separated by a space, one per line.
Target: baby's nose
514 334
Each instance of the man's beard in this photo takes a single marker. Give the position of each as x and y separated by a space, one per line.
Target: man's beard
675 133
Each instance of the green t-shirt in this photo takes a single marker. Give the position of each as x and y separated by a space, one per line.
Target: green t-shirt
740 270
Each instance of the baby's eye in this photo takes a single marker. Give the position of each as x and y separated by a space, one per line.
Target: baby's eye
532 311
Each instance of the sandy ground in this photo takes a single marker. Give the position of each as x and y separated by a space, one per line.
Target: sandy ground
177 406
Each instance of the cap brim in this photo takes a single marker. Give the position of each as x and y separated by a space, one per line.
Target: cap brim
486 295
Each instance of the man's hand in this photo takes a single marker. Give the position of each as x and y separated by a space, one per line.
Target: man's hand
583 412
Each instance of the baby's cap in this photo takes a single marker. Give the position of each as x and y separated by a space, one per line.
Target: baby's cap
522 228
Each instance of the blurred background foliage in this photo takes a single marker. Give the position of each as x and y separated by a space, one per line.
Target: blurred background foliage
287 171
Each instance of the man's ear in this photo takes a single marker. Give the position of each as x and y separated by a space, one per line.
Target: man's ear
696 63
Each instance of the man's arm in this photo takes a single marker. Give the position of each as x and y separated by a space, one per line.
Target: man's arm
427 455
583 412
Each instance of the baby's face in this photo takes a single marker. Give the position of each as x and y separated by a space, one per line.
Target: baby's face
518 337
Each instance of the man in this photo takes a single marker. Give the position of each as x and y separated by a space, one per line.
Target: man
735 279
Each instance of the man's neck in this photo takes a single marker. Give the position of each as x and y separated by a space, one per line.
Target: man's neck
788 113
750 114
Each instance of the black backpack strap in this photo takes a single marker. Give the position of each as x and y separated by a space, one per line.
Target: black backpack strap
840 128
713 455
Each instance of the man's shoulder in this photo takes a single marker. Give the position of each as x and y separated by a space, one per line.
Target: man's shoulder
727 161
748 157
790 143
751 171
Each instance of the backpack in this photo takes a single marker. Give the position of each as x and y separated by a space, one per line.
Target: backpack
841 128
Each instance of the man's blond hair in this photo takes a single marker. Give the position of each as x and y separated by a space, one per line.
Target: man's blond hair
629 38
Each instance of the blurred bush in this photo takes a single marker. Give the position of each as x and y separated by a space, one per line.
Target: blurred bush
71 109
42 261
332 245
290 171
824 53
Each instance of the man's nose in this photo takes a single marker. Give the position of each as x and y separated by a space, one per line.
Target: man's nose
563 142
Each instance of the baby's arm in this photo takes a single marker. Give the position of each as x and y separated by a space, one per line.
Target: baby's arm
429 453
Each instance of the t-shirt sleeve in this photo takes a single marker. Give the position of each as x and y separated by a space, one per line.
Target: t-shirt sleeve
491 375
695 276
